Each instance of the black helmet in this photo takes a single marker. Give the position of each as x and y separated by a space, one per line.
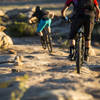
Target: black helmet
38 8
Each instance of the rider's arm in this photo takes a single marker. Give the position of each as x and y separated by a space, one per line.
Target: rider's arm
33 20
49 26
97 12
33 17
63 10
97 9
66 6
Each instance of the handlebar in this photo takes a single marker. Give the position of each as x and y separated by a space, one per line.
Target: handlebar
97 21
67 19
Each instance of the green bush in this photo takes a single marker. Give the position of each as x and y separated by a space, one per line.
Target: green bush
18 15
19 29
4 20
21 17
65 44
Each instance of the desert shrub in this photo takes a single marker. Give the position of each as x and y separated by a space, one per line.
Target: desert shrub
17 14
1 21
4 20
19 29
96 33
21 17
65 44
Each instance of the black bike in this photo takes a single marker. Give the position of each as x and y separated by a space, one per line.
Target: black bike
46 41
79 48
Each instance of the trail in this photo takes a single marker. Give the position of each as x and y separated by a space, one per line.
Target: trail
50 72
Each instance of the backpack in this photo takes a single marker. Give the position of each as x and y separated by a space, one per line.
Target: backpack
85 4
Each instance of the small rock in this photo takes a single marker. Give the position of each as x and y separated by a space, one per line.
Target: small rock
11 51
16 70
5 41
92 52
2 13
18 61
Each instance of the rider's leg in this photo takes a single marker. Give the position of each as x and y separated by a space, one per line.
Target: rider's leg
40 28
72 46
48 29
87 47
41 35
42 24
89 25
73 32
72 49
48 22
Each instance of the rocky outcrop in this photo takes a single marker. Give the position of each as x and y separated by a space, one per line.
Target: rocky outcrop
2 13
17 64
92 51
5 40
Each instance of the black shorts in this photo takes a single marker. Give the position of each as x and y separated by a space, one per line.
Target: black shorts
77 22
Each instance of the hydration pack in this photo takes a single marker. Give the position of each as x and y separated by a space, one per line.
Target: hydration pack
85 4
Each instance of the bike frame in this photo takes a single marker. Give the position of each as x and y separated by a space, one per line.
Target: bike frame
47 40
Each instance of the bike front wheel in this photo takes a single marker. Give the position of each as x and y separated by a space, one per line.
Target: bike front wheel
43 42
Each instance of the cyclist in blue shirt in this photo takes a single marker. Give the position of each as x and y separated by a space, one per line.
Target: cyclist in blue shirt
44 19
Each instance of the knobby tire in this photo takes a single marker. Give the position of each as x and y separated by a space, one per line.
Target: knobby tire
78 54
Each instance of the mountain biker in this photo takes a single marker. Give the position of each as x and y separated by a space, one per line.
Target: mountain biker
44 20
82 16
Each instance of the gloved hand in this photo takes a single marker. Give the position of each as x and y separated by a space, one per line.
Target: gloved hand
97 21
66 19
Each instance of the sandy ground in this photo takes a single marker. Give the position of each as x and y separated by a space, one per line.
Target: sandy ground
48 72
52 5
45 72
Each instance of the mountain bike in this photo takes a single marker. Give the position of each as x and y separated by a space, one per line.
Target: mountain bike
79 48
46 41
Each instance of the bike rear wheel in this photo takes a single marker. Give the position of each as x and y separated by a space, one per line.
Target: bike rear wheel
43 42
78 53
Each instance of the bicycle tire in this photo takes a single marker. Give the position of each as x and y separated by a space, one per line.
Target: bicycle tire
43 42
49 43
78 53
83 48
